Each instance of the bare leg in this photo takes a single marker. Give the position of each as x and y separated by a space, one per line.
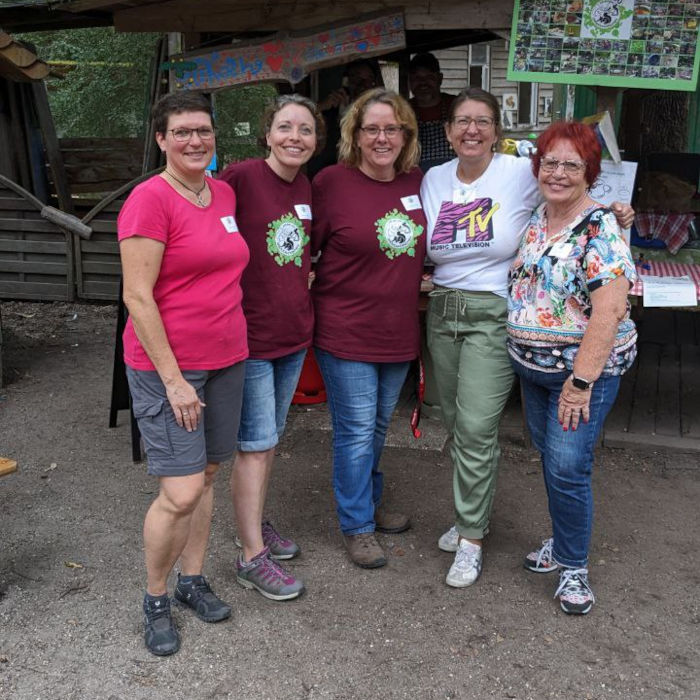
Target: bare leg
167 527
249 479
192 557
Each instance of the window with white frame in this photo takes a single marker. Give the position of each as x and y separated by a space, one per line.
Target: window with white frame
479 56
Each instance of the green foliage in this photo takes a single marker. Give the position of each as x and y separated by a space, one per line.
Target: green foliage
234 108
105 92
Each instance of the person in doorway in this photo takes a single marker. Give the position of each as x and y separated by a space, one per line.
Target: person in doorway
358 76
570 338
431 107
274 216
369 228
184 347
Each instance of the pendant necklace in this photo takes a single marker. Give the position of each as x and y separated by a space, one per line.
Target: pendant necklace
197 193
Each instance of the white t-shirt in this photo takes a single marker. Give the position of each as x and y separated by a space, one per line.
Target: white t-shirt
474 230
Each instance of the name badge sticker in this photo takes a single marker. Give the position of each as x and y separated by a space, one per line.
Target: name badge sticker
561 250
411 202
229 223
303 211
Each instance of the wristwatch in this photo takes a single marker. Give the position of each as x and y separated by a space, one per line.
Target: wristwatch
581 383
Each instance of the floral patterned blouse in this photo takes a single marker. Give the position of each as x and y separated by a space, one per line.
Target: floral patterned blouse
549 288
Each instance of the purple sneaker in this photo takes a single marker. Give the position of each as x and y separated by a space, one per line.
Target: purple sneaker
267 576
280 547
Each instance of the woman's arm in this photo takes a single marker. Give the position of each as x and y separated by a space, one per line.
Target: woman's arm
609 305
141 260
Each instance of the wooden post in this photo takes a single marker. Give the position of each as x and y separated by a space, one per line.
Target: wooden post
53 151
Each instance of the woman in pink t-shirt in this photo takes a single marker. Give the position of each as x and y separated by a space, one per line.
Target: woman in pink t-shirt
274 216
184 346
369 228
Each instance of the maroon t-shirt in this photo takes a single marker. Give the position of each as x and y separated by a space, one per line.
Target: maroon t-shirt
274 218
372 240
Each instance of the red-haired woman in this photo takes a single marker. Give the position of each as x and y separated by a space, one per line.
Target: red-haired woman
570 338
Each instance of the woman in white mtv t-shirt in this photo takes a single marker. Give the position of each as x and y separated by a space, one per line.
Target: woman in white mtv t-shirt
477 207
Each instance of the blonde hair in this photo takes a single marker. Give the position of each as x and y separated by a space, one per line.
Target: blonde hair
349 151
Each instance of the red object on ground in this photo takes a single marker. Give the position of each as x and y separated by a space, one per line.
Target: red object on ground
310 388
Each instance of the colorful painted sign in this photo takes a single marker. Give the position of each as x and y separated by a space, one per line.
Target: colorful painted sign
620 43
288 57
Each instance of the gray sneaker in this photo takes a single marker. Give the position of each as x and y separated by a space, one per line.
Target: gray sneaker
265 575
280 547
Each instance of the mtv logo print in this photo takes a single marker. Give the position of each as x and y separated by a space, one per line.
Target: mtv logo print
462 225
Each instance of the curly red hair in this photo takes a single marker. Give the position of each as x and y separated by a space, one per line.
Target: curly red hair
582 137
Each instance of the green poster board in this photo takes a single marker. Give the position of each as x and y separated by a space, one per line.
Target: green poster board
619 43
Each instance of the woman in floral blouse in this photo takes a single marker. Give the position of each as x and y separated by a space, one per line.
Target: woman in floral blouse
569 338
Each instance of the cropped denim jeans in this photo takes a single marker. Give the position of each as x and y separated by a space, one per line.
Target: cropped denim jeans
361 399
567 457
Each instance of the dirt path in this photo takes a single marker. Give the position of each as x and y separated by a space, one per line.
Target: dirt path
71 573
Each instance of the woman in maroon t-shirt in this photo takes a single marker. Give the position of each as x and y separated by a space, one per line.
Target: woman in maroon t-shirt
369 228
274 217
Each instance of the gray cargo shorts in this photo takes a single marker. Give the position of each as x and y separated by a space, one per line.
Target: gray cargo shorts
170 449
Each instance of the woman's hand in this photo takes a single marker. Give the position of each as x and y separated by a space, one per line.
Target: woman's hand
185 404
623 213
573 405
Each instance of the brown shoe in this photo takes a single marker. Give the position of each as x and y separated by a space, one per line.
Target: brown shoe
390 522
364 550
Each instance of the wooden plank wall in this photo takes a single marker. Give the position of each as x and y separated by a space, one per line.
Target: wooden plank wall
100 165
454 64
35 255
98 267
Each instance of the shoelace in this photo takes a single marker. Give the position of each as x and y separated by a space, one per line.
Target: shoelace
271 570
573 583
545 554
154 613
270 535
466 555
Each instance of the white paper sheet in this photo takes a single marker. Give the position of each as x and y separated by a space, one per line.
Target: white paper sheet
669 291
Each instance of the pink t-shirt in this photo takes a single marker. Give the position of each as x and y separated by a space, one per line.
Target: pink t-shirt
274 217
372 240
198 289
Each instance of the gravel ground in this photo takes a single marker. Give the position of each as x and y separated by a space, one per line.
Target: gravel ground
71 572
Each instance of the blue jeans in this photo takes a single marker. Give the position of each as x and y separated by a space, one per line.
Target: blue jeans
361 398
567 457
267 393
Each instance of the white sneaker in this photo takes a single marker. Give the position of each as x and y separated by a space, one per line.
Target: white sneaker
449 540
466 566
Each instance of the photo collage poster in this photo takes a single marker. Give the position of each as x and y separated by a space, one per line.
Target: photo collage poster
622 43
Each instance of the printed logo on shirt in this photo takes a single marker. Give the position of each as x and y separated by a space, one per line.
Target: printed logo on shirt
467 225
286 239
303 211
397 234
229 223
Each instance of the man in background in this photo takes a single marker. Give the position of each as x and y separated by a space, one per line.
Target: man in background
431 107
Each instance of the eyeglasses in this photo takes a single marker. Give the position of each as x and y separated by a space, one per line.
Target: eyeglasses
571 167
390 132
482 123
205 133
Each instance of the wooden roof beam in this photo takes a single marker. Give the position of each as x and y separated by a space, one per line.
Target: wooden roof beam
256 15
